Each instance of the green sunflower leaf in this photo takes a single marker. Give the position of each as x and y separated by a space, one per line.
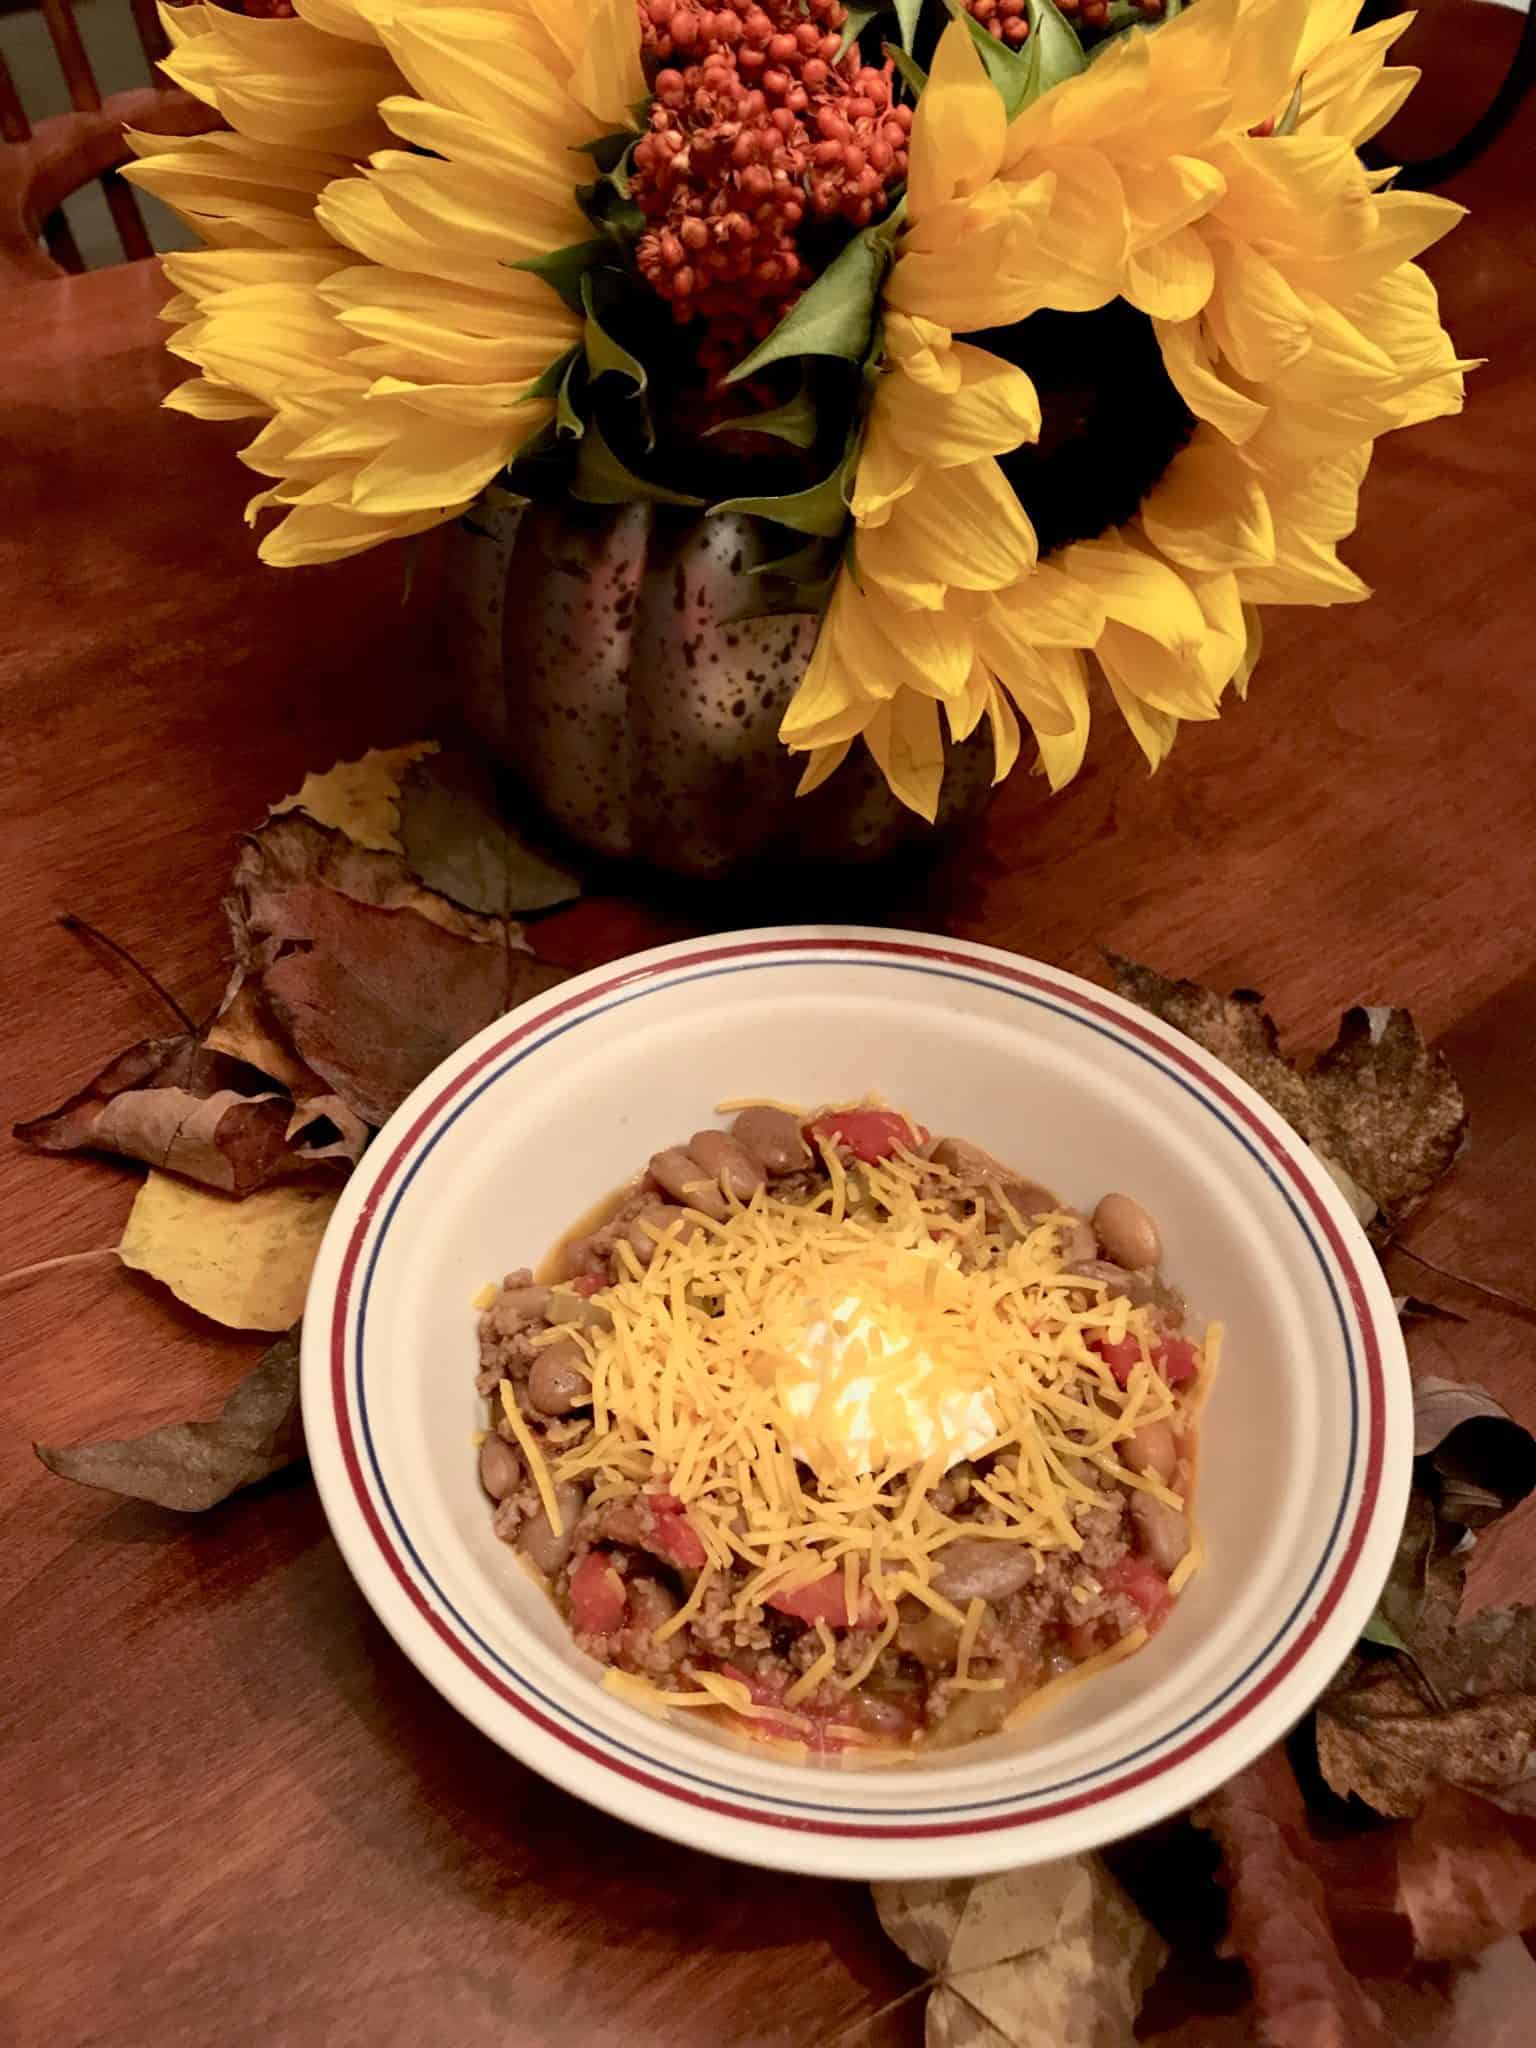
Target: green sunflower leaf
820 510
601 479
563 269
603 352
911 71
836 317
607 151
858 20
907 12
568 420
548 382
1012 72
794 422
1290 119
1058 53
810 560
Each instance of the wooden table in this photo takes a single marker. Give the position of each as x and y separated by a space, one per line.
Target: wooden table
233 1813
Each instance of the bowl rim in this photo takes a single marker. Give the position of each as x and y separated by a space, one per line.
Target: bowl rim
421 1618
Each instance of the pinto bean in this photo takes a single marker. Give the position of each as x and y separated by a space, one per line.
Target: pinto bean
578 1309
732 1165
558 1379
1139 1289
972 1568
1161 1531
678 1174
1152 1449
652 1224
501 1469
1127 1233
537 1539
773 1137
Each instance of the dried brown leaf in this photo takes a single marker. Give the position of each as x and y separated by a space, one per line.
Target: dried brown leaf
1278 1925
1379 1107
459 840
194 1465
1055 1956
246 1029
1378 1742
375 999
1467 1874
177 1106
1482 1463
371 978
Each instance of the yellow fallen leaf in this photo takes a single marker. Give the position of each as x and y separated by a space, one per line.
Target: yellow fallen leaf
1055 1956
360 798
244 1263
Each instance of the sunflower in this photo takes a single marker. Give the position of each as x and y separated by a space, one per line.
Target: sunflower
1138 343
369 311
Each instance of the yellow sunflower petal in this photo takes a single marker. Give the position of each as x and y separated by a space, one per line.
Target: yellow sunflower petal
1005 734
205 399
958 130
908 747
964 529
1208 511
1171 279
1188 361
820 764
993 410
1153 731
1258 319
1065 677
1138 591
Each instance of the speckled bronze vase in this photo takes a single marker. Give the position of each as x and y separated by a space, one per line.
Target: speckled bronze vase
608 658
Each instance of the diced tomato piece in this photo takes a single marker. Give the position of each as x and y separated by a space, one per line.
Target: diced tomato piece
598 1598
1121 1358
1145 1584
677 1540
869 1134
586 1283
1177 1360
824 1599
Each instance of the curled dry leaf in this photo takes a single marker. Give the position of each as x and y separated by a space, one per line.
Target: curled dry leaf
1481 1462
245 1263
194 1465
458 838
177 1106
359 798
1055 1956
1467 1874
1380 1108
246 1029
1304 1994
1382 1739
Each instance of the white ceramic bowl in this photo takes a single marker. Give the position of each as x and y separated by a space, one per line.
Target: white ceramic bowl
1306 1444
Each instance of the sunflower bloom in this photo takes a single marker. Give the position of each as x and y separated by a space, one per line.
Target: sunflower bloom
359 297
1261 283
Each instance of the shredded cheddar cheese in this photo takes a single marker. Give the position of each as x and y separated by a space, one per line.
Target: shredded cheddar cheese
698 1388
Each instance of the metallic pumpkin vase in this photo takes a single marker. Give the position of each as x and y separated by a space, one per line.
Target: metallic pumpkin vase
619 664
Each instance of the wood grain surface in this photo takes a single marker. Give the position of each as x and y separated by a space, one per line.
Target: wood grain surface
233 1813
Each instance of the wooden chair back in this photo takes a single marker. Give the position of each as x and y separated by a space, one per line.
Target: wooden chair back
43 162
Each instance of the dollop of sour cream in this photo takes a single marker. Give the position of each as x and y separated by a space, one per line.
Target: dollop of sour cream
870 1387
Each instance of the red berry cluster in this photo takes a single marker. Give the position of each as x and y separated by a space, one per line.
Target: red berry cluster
1005 19
1095 13
756 131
